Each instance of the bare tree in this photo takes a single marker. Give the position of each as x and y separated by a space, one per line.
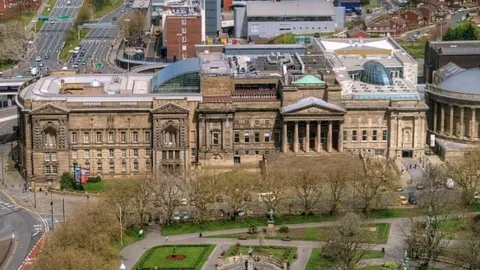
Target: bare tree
466 173
469 249
337 179
378 173
142 195
133 25
426 237
307 185
235 188
347 244
273 184
119 197
203 188
167 192
12 39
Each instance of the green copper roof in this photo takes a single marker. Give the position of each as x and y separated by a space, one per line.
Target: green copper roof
309 79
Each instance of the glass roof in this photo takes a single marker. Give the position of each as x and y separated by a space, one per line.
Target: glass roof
375 73
180 76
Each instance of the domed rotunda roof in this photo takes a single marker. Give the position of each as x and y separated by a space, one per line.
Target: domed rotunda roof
375 73
466 82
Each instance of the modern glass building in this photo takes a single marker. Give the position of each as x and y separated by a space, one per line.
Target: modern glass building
375 73
179 77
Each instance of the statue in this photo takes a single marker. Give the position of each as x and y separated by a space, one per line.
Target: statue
250 251
271 216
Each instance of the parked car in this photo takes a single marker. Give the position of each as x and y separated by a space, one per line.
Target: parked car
185 216
46 56
38 59
184 201
420 187
241 213
176 216
476 196
403 200
412 199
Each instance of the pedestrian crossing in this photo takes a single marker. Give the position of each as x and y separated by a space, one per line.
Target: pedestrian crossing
4 205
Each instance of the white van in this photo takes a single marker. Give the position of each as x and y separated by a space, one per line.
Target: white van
34 71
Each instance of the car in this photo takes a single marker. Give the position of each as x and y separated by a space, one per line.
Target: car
82 54
64 68
123 10
40 64
476 196
420 187
69 3
75 66
176 216
84 50
241 213
84 63
114 19
46 57
52 22
412 199
403 200
1 73
184 201
38 59
185 216
79 60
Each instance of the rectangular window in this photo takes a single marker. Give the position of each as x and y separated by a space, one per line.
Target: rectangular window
54 169
74 154
110 137
74 137
257 152
184 22
164 154
345 135
147 136
124 166
147 152
99 153
135 137
215 138
135 166
277 136
46 157
170 154
374 135
184 47
184 55
99 167
184 39
246 137
124 153
384 135
177 154
48 170
123 137
257 136
86 137
111 153
237 136
364 135
135 153
53 156
184 30
86 154
354 135
87 166
99 137
111 167
147 165
266 137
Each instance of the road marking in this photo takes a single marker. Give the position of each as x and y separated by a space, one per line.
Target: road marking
8 118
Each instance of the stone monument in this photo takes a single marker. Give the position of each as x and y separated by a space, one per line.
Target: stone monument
271 223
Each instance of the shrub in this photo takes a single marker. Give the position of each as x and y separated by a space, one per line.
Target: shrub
67 181
283 230
94 179
390 265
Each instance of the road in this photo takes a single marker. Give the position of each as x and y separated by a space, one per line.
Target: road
26 227
98 42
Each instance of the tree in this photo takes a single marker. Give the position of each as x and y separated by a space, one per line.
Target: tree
273 184
12 39
378 173
203 188
426 237
167 192
466 173
347 243
133 26
235 188
307 185
337 179
119 197
142 195
469 249
463 31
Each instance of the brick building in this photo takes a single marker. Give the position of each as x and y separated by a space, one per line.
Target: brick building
181 33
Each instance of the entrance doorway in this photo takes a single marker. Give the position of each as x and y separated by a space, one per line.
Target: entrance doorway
407 154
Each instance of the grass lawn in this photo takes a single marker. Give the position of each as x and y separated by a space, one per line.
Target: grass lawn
317 262
416 49
26 17
393 213
95 187
156 257
129 237
4 67
70 44
285 254
377 233
184 228
104 10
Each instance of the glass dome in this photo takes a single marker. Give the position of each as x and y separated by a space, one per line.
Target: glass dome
375 73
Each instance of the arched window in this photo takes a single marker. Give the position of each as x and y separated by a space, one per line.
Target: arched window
170 135
50 137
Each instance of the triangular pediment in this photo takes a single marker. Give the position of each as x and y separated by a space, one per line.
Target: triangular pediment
170 108
49 109
312 105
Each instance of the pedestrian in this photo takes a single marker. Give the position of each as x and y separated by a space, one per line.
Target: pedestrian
88 197
200 235
166 239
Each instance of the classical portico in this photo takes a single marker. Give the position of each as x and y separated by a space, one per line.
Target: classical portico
312 125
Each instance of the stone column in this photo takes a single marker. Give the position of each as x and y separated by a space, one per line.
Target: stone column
284 138
415 123
307 136
319 137
222 134
329 137
435 112
340 136
450 124
206 134
473 126
462 123
442 119
295 138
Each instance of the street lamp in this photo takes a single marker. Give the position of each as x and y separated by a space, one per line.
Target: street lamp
128 20
35 25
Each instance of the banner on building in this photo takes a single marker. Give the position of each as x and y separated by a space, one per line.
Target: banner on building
84 176
77 175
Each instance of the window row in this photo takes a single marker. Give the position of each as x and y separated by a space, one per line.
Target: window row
257 122
255 136
170 155
98 153
365 135
111 137
51 169
123 166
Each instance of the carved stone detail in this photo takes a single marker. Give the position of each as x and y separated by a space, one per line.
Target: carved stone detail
49 109
37 135
170 108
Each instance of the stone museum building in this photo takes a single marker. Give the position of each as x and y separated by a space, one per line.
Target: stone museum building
247 104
